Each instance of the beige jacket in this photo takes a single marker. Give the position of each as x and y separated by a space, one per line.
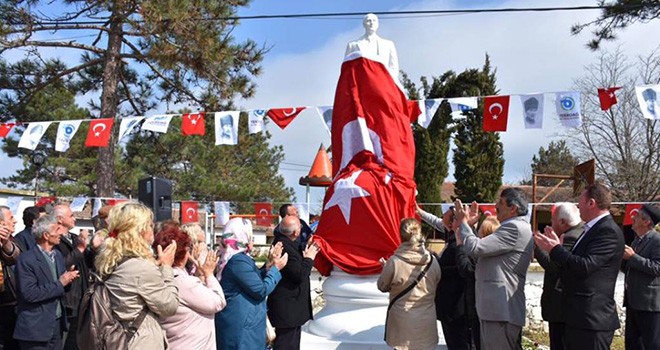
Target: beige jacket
412 321
139 282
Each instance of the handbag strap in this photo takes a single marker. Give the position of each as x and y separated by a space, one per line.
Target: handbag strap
134 325
408 289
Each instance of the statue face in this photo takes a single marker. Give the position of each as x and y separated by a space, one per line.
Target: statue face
370 23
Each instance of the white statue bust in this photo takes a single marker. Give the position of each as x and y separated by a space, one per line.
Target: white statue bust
371 46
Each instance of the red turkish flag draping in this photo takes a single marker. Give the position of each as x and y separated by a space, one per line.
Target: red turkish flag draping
631 210
496 113
42 201
263 211
99 132
607 97
373 165
5 128
189 212
193 124
488 209
284 116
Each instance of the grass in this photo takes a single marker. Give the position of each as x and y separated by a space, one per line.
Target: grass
532 339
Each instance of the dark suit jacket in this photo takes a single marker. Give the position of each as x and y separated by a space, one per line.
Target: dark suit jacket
305 233
551 297
73 256
589 275
643 275
38 296
25 240
290 304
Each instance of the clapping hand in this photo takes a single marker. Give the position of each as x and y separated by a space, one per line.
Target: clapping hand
166 257
68 277
462 213
628 252
209 264
547 240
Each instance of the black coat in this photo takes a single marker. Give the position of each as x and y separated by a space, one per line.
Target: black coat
588 275
551 297
290 304
73 256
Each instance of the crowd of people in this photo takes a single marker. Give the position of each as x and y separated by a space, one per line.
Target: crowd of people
480 298
163 280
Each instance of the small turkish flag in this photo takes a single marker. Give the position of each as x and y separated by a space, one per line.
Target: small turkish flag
193 124
263 211
99 132
488 209
113 202
496 113
42 201
631 211
189 212
607 97
284 116
5 128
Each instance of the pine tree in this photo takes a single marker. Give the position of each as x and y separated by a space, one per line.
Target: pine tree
478 156
184 51
557 159
432 143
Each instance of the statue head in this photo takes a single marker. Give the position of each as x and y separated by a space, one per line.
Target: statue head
370 23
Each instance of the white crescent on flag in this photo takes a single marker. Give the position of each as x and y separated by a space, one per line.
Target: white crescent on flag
97 132
499 106
191 212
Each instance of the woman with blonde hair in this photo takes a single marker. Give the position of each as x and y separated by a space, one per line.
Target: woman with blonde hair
139 285
488 226
411 276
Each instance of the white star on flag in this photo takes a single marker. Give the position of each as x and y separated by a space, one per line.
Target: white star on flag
345 191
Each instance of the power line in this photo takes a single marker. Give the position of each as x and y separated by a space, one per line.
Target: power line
400 14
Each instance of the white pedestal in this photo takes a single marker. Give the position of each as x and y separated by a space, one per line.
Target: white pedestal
353 316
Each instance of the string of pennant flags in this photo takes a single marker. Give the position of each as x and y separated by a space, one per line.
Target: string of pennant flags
496 117
189 210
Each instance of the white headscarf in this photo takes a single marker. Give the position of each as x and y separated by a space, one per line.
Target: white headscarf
236 237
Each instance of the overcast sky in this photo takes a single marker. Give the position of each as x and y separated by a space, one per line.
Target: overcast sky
533 52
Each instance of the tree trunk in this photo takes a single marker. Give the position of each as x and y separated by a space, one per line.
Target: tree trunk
105 163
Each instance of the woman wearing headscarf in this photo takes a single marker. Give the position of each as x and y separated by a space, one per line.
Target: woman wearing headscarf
138 283
411 320
242 323
192 327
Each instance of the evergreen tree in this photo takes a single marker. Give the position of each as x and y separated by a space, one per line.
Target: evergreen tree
432 143
478 156
618 15
557 159
180 52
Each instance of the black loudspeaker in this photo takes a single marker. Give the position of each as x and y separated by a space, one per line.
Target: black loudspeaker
156 193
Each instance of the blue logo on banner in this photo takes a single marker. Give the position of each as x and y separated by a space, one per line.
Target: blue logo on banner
567 103
69 129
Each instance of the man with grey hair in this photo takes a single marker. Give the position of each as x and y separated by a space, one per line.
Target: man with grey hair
9 253
504 257
566 223
42 278
75 252
290 304
642 295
